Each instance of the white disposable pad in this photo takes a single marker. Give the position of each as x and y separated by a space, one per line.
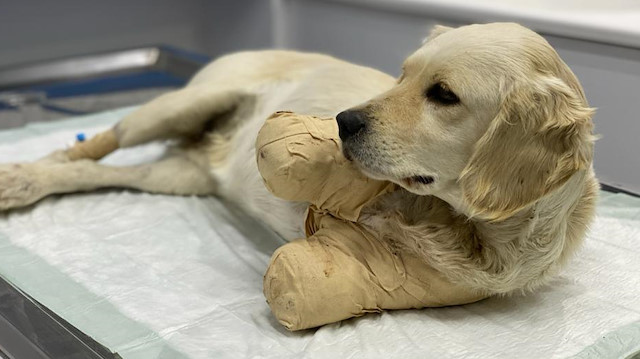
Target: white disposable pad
169 277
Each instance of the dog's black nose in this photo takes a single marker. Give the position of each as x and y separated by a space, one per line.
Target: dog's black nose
350 122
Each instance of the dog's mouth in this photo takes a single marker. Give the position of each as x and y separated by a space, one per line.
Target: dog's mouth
418 180
347 155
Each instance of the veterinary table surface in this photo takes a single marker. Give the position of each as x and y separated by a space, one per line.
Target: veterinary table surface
54 89
154 276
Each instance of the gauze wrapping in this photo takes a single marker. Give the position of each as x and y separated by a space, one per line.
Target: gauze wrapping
300 159
94 148
342 269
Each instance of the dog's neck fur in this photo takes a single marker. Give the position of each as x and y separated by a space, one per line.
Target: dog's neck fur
491 256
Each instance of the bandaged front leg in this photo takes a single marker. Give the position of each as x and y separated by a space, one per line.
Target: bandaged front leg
344 271
300 159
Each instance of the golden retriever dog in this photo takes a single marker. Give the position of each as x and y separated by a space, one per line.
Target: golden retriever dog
487 131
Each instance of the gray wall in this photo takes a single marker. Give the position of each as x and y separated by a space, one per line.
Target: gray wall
44 29
232 25
359 34
610 76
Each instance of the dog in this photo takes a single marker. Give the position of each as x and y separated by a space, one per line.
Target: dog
487 132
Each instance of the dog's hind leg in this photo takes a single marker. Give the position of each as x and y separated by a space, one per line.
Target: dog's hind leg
183 114
179 174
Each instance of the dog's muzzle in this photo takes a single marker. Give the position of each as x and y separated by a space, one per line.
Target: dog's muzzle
350 123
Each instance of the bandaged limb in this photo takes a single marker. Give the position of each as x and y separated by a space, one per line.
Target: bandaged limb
300 159
95 148
343 271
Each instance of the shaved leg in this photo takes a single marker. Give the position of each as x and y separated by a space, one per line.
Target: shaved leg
24 184
187 113
183 114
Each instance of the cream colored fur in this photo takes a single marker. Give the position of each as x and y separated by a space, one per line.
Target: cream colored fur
514 189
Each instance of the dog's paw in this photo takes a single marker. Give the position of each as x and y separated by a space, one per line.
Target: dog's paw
19 186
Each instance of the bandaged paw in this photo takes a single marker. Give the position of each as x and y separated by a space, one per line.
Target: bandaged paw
300 159
343 269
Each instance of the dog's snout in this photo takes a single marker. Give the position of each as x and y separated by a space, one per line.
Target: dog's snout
350 122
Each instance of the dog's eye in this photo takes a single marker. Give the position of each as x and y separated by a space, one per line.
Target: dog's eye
440 93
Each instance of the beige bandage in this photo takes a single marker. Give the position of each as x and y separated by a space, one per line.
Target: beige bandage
94 148
300 159
341 270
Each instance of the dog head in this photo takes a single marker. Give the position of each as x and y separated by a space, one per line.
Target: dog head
487 112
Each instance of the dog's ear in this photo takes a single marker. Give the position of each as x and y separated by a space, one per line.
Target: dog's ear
541 136
436 31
